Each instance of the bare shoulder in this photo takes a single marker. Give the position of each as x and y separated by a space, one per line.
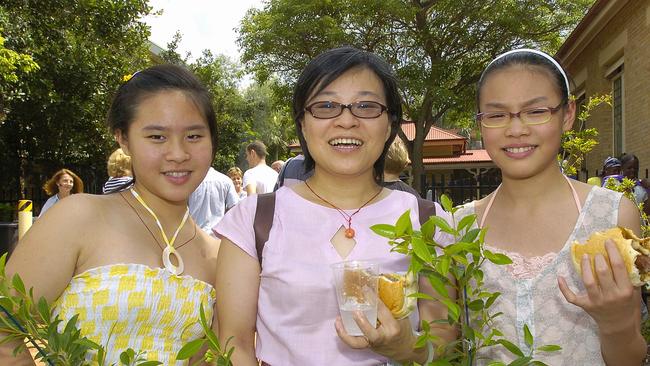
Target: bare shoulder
209 245
583 189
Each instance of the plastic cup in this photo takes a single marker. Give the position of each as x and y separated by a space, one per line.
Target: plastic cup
356 290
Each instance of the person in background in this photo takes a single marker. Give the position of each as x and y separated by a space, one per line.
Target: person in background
211 199
235 174
293 172
277 165
611 170
630 170
397 159
536 214
62 184
259 178
119 172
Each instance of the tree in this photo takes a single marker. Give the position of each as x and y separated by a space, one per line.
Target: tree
438 47
242 115
83 48
270 118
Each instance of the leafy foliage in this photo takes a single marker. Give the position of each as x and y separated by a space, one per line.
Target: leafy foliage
83 49
577 143
458 267
438 47
242 115
215 354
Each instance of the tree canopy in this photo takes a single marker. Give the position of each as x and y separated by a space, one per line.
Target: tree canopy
437 47
83 49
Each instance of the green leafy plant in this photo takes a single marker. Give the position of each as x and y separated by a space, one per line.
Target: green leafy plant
215 354
578 142
21 317
457 266
626 186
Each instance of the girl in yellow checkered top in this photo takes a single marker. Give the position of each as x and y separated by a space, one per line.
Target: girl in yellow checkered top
133 264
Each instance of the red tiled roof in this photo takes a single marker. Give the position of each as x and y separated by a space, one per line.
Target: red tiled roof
435 133
470 156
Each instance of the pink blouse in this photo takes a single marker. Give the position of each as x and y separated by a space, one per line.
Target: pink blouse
297 304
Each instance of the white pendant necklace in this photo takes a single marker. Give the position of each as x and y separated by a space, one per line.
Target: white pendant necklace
169 248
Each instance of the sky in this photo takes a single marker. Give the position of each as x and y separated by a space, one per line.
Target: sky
203 23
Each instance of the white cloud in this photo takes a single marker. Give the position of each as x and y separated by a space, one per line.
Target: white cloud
204 24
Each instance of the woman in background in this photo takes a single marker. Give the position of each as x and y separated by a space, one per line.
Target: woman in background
62 184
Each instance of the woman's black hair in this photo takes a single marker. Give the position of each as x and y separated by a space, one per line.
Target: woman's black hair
327 67
156 79
526 59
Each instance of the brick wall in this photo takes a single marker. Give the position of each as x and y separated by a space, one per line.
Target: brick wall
626 35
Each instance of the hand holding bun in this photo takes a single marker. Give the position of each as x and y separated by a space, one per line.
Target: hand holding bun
394 290
634 251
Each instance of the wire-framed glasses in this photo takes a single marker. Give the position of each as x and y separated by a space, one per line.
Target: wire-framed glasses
532 116
362 109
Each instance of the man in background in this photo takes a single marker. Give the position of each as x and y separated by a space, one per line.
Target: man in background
211 199
259 178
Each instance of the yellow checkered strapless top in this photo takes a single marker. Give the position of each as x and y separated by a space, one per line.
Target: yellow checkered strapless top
134 306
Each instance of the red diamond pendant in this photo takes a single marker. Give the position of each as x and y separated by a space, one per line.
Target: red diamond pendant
349 233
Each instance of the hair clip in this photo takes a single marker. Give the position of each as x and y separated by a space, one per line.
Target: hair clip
128 77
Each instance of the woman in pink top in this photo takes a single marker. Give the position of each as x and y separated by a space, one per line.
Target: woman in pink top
347 111
535 215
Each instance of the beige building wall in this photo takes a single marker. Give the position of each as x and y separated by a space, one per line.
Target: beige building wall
623 41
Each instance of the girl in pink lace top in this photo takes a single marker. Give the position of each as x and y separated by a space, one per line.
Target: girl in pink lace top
534 216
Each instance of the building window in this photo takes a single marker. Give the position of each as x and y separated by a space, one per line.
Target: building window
617 108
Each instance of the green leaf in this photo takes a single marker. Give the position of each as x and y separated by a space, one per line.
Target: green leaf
446 202
150 363
496 258
471 235
125 358
420 295
453 308
443 265
428 229
466 222
421 249
438 286
496 363
511 347
44 309
403 224
476 305
549 348
443 225
491 299
522 361
537 363
528 337
385 230
190 349
18 284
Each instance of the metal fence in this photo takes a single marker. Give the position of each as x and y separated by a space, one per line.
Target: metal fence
460 189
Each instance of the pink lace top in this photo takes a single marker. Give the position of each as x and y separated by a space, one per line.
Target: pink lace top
530 294
525 268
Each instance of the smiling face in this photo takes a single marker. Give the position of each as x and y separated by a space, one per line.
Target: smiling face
520 150
170 147
237 181
347 145
65 184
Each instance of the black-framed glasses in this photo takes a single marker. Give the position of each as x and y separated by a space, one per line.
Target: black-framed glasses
362 109
532 116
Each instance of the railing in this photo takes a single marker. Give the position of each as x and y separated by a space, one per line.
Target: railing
460 190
